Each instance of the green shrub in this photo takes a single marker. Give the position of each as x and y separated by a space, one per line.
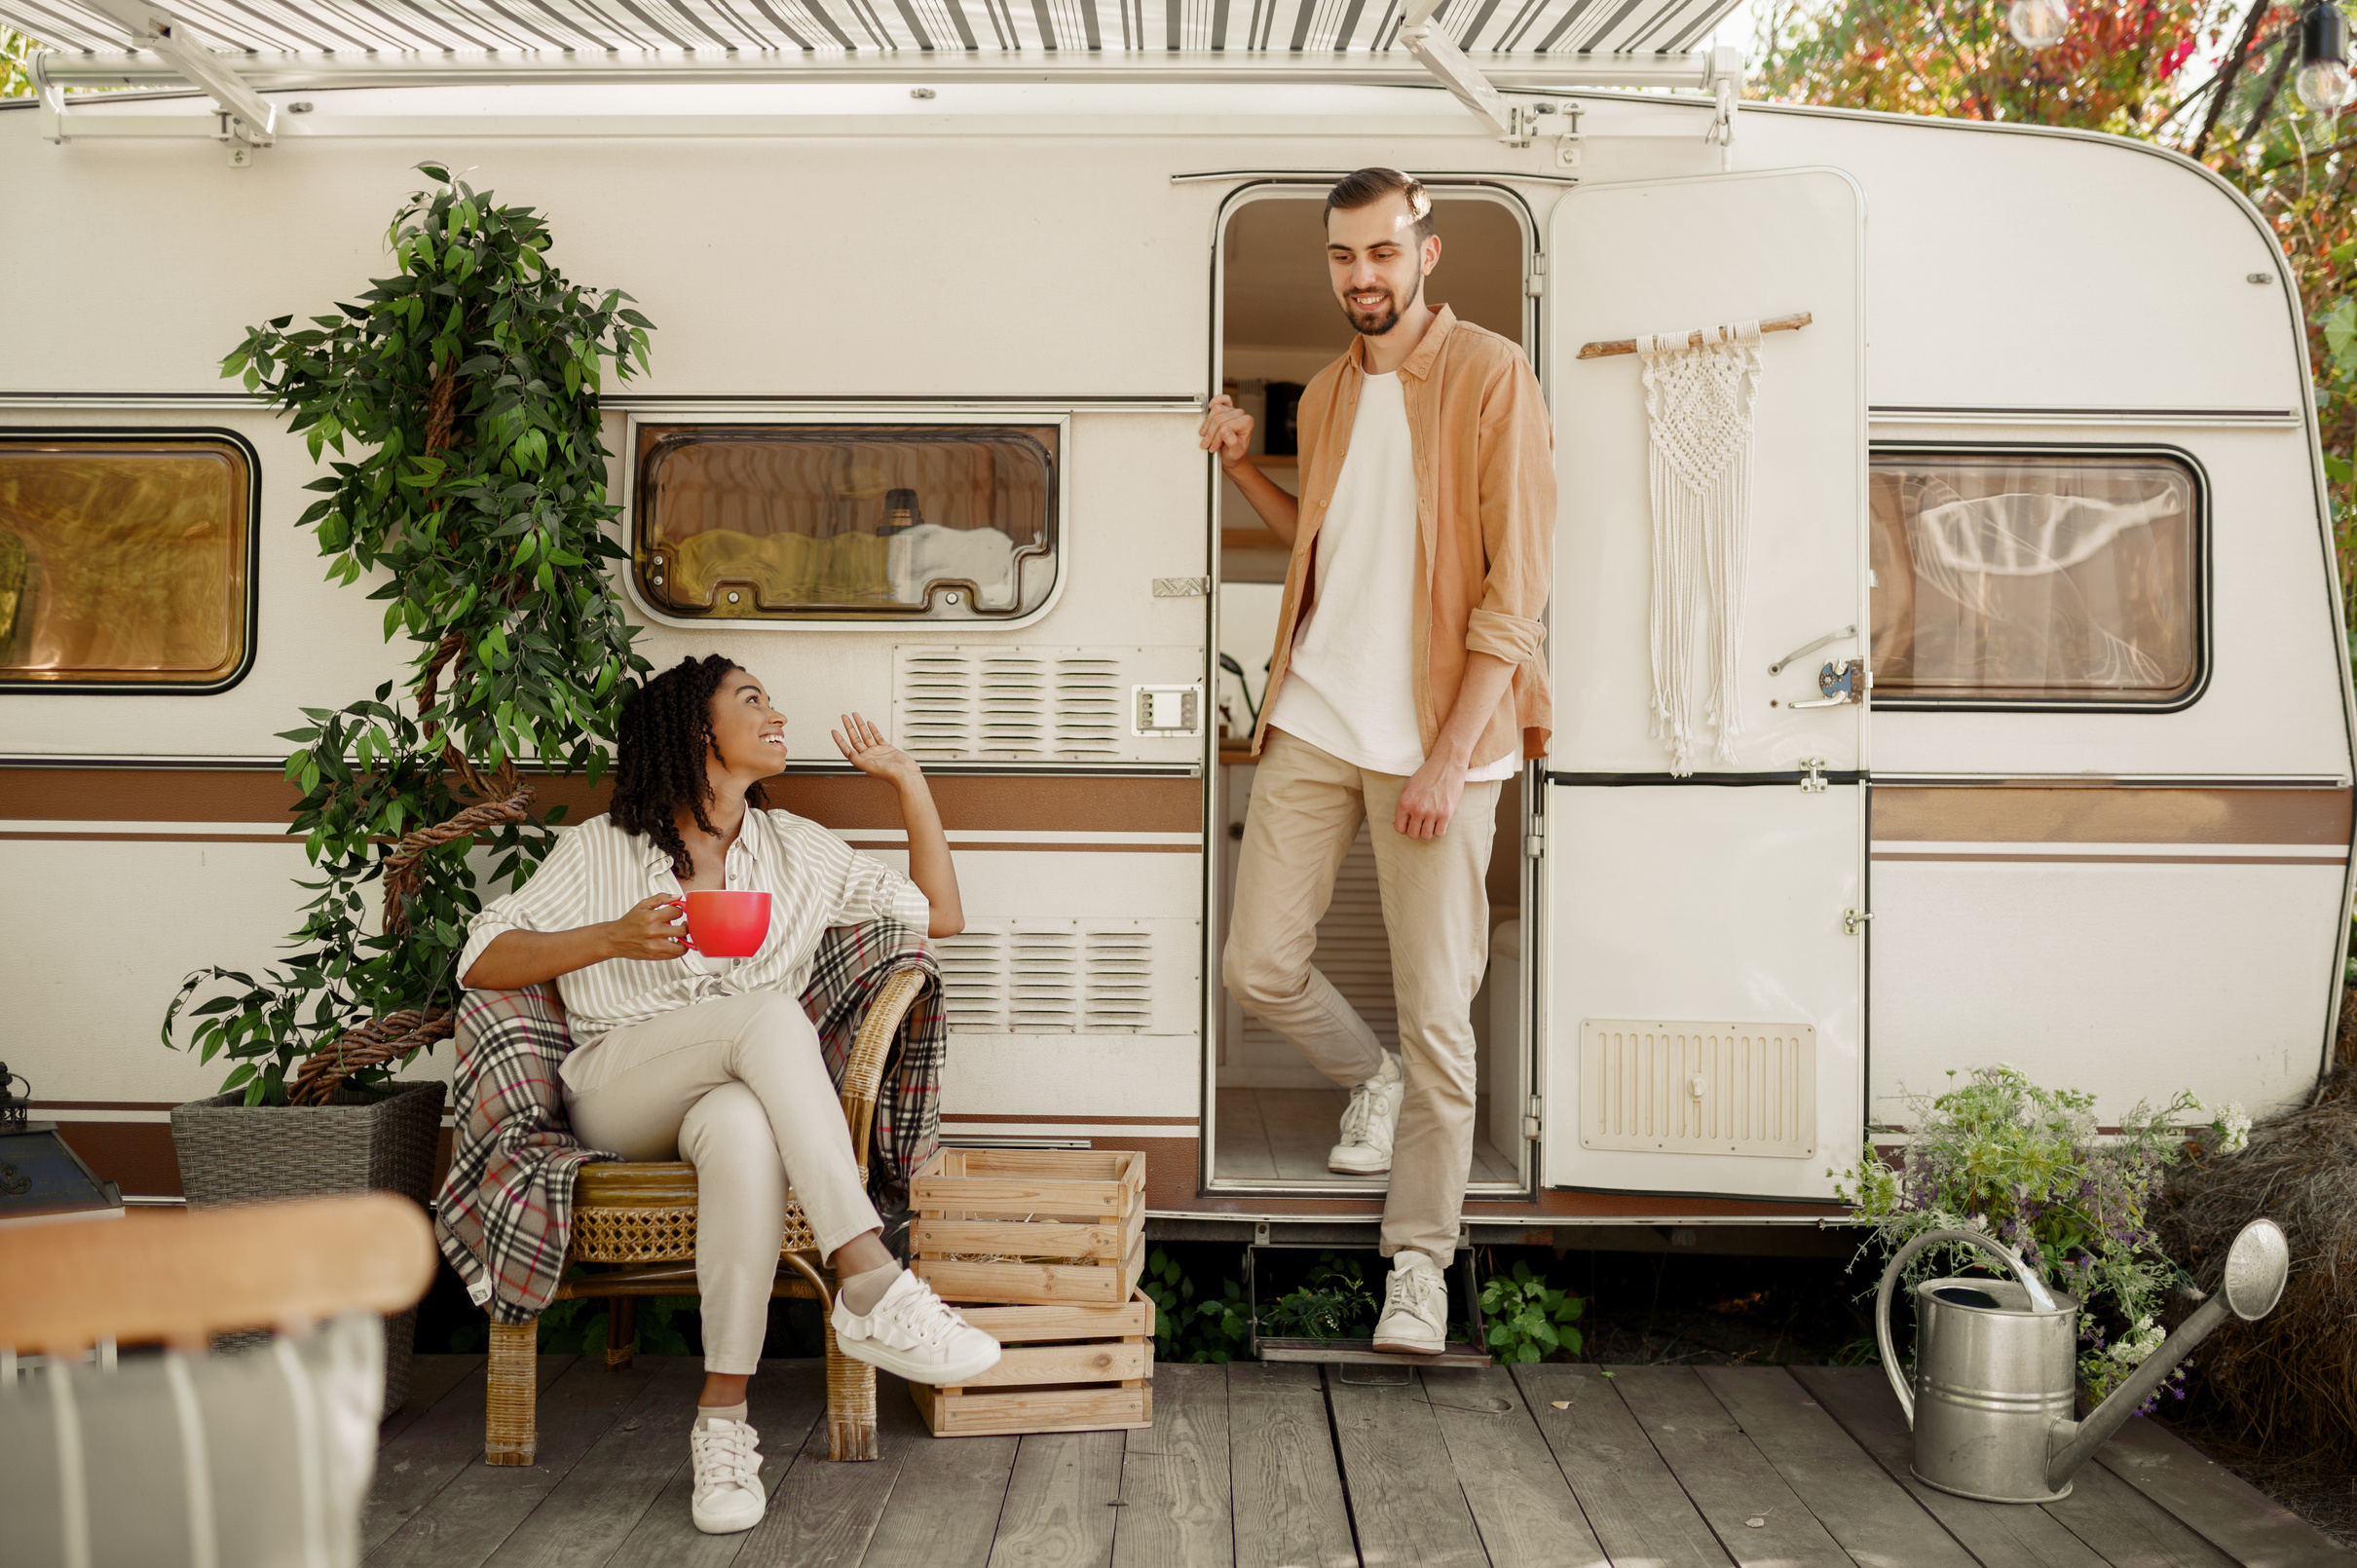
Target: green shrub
1528 1319
1332 1302
1216 1328
578 1327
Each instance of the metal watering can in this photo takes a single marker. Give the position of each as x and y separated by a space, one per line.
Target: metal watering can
1996 1367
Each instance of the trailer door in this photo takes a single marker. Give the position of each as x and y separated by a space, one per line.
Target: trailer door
1702 998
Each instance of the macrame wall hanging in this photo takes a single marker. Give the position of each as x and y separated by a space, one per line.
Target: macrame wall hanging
1697 438
1699 391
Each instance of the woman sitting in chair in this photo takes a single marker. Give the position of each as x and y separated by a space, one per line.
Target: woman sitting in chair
680 1057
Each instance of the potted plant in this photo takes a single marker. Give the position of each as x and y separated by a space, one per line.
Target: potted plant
2026 1165
459 400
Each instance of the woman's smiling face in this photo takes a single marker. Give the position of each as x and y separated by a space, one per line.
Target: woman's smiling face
748 734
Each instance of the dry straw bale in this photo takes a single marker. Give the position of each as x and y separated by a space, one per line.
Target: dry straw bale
2289 1380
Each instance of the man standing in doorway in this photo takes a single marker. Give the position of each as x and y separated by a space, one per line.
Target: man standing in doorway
1406 688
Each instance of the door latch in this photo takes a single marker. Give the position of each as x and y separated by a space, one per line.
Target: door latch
1838 684
1854 920
1812 775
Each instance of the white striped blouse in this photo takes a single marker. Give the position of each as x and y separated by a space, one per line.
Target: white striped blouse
597 872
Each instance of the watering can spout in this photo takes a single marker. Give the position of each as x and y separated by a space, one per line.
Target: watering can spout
2257 1266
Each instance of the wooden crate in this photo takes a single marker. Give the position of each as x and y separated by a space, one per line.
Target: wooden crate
1069 1224
1063 1370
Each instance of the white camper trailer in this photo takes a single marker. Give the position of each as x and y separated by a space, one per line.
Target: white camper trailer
940 295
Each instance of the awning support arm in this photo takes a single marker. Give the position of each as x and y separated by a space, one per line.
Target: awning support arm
1440 55
246 116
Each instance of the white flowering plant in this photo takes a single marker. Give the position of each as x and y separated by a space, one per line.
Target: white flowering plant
2000 1154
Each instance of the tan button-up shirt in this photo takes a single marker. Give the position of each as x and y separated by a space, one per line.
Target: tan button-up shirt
1485 514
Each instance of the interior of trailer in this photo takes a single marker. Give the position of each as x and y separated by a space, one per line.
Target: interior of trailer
1273 1116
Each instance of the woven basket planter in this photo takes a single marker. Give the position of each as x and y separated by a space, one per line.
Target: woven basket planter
231 1154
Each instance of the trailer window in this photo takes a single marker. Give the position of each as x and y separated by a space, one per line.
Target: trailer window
812 522
125 562
2037 576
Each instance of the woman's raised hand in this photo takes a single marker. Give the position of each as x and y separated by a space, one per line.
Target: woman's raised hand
864 746
651 929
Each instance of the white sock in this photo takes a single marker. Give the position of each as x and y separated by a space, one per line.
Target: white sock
1389 1072
1408 1257
708 1414
861 1291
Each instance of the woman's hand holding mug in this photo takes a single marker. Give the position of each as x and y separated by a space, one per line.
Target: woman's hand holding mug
653 929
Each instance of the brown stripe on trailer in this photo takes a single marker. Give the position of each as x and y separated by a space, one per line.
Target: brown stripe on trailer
991 803
2103 812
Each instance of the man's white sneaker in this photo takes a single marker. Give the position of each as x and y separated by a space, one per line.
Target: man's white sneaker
1370 1122
913 1333
728 1495
1415 1306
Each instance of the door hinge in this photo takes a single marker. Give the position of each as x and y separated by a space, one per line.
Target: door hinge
1535 285
1812 775
1530 1118
1534 838
1854 920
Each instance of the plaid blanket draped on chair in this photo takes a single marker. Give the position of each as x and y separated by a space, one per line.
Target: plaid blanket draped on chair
504 1215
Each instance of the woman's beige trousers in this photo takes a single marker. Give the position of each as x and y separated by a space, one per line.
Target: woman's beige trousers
737 1088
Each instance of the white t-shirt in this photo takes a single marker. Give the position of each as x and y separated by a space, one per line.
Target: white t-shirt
1349 689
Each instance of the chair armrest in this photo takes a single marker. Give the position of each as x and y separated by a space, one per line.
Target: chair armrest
863 1069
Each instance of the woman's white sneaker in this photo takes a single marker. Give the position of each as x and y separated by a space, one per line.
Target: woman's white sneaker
913 1333
1370 1122
1415 1306
728 1495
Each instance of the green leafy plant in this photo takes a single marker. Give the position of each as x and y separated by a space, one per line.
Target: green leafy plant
459 398
2024 1164
1333 1301
1528 1319
579 1327
1214 1329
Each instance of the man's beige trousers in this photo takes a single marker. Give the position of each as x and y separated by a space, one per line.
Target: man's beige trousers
1307 805
737 1087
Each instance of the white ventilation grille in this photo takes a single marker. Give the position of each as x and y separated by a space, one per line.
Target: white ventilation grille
1026 977
1697 1088
1029 704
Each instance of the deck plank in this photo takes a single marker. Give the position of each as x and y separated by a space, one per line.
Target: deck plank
429 1378
2221 1507
585 1518
1404 1500
434 1450
824 1515
1174 1486
1638 1512
2127 1529
1059 1507
1868 1513
1998 1535
943 1508
1724 1471
785 1399
469 1519
1522 1506
1286 1487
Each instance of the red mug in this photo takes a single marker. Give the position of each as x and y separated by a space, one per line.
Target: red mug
728 924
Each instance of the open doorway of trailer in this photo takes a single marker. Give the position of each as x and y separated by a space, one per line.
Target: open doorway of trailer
1270 1117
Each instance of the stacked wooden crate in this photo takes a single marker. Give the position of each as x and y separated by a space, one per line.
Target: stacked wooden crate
1051 1243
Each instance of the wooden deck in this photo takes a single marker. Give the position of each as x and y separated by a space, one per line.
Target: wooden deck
1262 1466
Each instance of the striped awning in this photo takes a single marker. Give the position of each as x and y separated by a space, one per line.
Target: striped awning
288 31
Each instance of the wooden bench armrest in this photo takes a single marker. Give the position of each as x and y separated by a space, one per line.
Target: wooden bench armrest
181 1278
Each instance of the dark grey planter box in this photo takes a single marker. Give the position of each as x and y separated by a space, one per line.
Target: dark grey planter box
231 1154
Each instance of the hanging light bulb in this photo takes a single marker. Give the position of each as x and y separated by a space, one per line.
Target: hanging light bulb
2038 23
2324 79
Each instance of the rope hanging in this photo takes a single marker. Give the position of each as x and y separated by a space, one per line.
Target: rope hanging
1699 391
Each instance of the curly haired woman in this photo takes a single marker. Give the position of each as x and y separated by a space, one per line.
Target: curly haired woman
680 1057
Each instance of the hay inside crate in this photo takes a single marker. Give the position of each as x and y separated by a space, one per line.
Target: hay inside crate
1036 1227
1063 1370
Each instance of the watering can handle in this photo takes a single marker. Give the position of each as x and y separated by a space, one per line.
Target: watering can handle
1881 1299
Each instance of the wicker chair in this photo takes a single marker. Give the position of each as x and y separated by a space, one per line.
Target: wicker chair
641 1218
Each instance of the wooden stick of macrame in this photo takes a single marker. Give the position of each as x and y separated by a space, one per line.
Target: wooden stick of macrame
1694 340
